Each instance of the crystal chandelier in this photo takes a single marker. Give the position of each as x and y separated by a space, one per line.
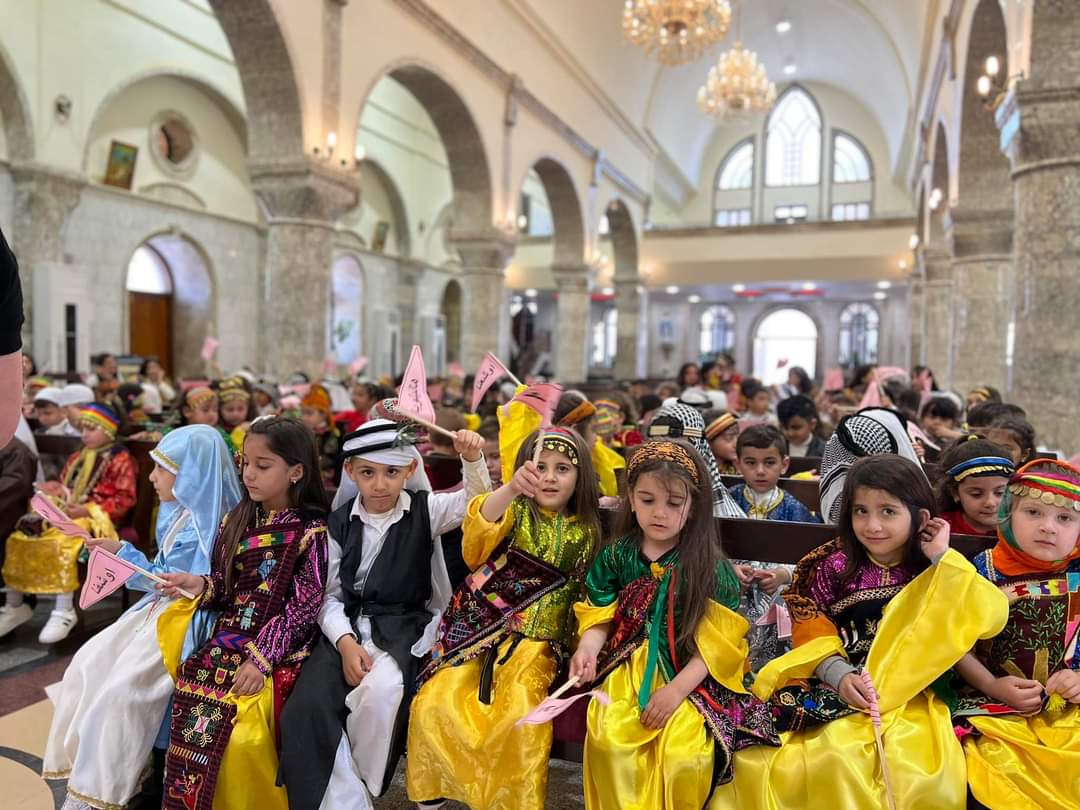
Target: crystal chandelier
736 85
676 31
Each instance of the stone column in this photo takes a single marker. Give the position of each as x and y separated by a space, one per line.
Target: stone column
43 201
982 301
302 200
627 342
485 311
1040 125
572 342
938 291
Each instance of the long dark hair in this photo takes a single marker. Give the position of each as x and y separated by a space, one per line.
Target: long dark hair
294 442
905 481
699 540
584 502
959 451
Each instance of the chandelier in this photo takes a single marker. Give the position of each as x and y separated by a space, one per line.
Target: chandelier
676 31
736 85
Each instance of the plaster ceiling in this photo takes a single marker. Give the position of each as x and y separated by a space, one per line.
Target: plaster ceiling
870 49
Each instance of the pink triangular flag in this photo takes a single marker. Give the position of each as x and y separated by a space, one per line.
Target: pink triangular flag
105 573
491 370
542 398
209 346
52 513
834 380
552 707
872 397
412 395
455 370
329 365
777 614
357 365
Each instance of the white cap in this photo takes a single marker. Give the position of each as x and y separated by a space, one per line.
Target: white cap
75 394
49 393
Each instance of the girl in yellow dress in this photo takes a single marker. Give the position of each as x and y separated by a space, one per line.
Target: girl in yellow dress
503 637
891 596
1025 749
659 626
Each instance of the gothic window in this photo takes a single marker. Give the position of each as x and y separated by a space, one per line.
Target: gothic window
717 330
858 335
793 144
851 163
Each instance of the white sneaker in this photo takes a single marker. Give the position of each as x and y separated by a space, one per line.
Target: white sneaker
58 626
12 617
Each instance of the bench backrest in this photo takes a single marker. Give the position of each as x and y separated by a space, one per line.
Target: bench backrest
806 491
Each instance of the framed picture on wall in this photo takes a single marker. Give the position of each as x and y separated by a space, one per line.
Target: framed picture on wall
120 169
665 330
378 241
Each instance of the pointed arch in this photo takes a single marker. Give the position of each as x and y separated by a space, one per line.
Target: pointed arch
15 112
793 140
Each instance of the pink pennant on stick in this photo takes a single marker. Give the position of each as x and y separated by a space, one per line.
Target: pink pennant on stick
777 614
412 395
491 371
209 346
551 707
834 380
106 572
542 398
357 365
52 513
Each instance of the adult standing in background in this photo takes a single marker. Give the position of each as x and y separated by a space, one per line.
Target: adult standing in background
11 357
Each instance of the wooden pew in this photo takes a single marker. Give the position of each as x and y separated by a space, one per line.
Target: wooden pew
805 490
804 464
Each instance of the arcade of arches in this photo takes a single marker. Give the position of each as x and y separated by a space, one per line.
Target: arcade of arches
309 187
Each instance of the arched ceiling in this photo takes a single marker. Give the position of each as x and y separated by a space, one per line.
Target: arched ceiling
871 49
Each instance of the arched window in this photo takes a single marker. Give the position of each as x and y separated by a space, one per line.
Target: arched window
793 145
851 163
605 335
148 273
346 309
717 331
737 170
785 338
858 335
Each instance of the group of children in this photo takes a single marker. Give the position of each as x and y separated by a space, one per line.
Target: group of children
300 648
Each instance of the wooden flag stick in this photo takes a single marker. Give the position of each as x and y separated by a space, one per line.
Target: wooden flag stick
566 687
431 426
147 574
875 718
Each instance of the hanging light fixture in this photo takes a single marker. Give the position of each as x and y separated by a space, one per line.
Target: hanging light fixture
737 85
676 31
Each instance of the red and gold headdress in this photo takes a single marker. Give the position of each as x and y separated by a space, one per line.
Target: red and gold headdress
664 451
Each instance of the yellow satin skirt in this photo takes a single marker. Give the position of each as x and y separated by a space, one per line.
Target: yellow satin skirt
836 765
1026 761
47 563
630 767
463 750
249 766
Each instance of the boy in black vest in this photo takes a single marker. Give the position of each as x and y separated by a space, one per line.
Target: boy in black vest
345 724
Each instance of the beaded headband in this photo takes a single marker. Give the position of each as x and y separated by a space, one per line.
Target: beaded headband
664 451
233 388
982 467
196 397
578 414
608 404
101 417
560 441
719 425
1051 488
980 393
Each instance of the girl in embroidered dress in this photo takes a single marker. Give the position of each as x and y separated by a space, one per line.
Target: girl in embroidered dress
116 690
659 627
976 474
1025 751
505 632
266 580
883 596
97 490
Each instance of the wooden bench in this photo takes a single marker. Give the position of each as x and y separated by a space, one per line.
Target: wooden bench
799 464
807 492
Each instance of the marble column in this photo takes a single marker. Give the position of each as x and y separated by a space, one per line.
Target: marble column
982 302
628 328
1040 125
917 314
572 323
485 309
44 200
302 200
938 292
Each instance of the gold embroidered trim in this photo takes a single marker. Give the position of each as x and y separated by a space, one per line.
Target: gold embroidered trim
161 458
260 660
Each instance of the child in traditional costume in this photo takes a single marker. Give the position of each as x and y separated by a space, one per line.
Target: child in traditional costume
501 641
1025 749
266 580
236 408
721 434
316 413
387 585
659 627
976 473
575 411
884 596
116 690
97 490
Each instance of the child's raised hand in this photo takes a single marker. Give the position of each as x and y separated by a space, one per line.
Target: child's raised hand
1065 682
745 573
583 666
52 488
935 538
176 582
772 578
1022 694
662 705
469 445
854 691
526 480
355 661
249 679
105 544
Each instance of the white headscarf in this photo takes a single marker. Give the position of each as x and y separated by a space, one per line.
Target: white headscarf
382 442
